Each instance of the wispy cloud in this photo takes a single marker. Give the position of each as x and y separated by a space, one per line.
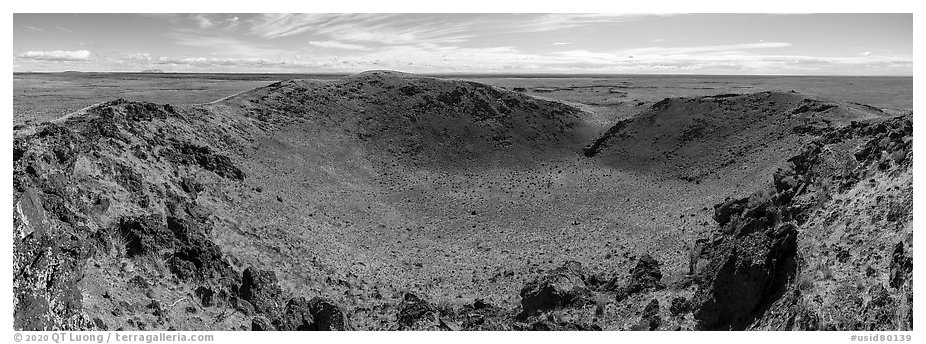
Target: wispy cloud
56 55
202 21
415 28
64 29
450 43
338 45
379 28
563 21
224 44
706 49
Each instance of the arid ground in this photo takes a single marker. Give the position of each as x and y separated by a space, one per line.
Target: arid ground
385 200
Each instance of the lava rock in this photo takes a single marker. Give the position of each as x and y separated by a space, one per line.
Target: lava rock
191 154
880 313
561 287
723 212
413 309
650 319
680 305
260 288
328 316
901 268
297 316
742 275
261 324
205 295
646 275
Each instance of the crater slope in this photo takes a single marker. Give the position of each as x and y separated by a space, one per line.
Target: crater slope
386 200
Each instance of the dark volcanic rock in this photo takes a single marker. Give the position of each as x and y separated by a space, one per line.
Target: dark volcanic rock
191 255
744 275
880 312
206 296
261 324
680 305
48 296
726 210
561 287
328 316
549 325
482 316
650 319
297 316
413 309
901 268
260 288
190 154
644 276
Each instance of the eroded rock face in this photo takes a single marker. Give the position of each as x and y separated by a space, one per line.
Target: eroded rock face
751 278
412 310
650 319
744 275
260 288
296 316
328 316
644 276
901 269
561 287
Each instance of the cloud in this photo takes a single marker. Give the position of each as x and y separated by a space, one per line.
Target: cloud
64 29
338 45
33 28
202 21
706 49
276 25
398 29
224 44
135 57
563 21
391 29
561 43
867 53
56 55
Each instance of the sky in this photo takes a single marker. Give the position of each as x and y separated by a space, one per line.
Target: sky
731 44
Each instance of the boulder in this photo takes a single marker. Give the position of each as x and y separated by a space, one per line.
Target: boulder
297 316
650 319
564 286
901 268
412 310
646 275
744 274
328 316
679 306
260 288
261 324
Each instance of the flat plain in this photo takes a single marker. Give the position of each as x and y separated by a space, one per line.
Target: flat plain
45 96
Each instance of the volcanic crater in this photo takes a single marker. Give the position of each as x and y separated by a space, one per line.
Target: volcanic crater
386 200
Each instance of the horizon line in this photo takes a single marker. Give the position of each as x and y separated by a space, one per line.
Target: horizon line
479 74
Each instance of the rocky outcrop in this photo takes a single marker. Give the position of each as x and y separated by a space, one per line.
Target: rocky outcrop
744 275
413 310
751 277
260 289
649 320
564 286
644 276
